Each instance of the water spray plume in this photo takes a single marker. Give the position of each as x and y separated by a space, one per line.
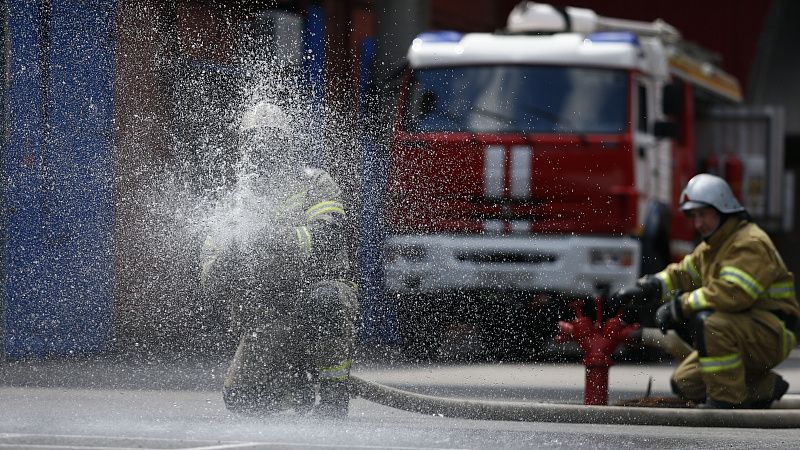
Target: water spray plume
215 186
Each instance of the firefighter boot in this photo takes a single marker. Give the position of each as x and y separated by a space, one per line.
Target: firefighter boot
304 394
334 400
716 404
239 401
255 401
780 388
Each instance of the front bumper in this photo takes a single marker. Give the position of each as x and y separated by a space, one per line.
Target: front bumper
555 264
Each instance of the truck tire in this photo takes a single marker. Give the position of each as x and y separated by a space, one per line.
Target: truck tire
655 239
419 328
518 334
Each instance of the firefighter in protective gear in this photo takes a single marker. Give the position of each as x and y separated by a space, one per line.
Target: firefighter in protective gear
732 298
293 304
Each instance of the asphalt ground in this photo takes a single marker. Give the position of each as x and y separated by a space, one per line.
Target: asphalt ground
544 382
168 400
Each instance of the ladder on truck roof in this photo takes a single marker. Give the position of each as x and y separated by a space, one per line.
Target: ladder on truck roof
686 60
705 75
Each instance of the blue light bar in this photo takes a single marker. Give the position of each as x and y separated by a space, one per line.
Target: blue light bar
440 36
623 37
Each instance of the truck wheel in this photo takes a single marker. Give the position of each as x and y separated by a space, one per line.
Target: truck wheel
419 328
655 239
517 345
519 335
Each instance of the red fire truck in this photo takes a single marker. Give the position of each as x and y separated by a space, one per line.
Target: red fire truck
537 165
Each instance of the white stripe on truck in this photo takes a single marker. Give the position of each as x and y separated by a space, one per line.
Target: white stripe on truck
493 171
520 226
520 171
493 226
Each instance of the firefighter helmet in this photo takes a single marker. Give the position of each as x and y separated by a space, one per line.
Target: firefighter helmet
709 190
265 115
266 139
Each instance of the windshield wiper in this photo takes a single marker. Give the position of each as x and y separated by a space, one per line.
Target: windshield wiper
499 117
557 120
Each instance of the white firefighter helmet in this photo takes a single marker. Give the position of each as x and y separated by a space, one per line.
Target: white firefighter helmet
266 139
265 115
709 190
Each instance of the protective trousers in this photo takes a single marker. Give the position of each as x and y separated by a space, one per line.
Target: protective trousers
287 343
734 357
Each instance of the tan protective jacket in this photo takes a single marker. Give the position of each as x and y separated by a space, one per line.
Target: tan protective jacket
736 270
309 239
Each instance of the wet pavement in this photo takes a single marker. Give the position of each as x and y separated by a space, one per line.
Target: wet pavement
170 401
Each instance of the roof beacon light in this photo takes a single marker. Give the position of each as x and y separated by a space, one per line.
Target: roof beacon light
533 17
614 36
444 36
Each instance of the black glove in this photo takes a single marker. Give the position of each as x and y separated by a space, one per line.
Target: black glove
670 314
651 287
647 289
622 298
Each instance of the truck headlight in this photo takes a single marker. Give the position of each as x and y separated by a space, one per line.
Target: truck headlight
411 253
608 257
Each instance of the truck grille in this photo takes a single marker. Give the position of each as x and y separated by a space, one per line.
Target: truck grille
505 257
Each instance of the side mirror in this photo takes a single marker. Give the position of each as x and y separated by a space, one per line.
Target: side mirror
672 99
662 129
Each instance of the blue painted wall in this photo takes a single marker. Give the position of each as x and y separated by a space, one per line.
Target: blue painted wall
314 73
57 211
379 315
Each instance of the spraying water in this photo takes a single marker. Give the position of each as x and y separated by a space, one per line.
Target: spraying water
215 188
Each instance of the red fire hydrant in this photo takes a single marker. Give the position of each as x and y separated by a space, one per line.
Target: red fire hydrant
597 340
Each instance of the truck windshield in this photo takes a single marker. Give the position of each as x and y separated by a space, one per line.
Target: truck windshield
518 99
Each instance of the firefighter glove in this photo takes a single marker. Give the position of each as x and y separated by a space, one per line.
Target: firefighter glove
624 297
670 315
651 287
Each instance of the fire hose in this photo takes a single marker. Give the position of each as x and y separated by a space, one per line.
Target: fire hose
597 339
778 417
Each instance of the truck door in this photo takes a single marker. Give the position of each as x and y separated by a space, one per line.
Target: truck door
653 167
652 155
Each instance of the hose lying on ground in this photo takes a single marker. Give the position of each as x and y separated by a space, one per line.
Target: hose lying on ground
784 413
571 413
670 342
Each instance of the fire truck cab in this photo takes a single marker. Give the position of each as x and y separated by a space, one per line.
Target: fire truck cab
538 165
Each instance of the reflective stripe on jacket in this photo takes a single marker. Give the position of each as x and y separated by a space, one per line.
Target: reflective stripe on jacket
317 215
310 232
737 269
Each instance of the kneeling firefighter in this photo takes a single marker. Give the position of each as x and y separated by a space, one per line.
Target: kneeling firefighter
732 298
293 302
